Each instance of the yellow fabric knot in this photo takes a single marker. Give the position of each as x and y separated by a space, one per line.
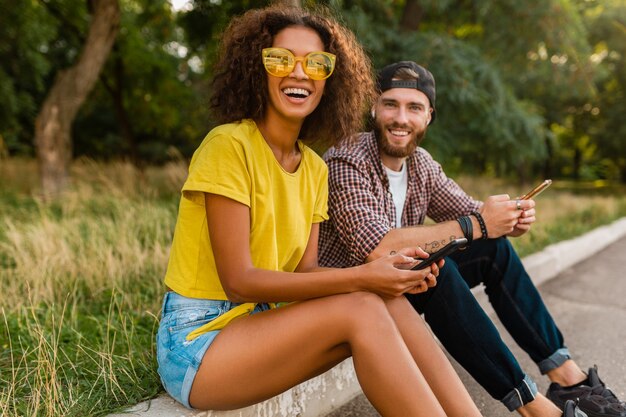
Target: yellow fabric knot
221 322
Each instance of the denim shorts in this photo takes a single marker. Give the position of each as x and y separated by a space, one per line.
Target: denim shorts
178 358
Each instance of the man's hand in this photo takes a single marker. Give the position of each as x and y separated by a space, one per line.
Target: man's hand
524 222
504 216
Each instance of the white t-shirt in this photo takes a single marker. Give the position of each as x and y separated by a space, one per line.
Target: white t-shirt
398 181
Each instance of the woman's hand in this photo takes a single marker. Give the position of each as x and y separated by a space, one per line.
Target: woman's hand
391 275
431 279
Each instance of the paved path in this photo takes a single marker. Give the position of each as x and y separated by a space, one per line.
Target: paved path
588 302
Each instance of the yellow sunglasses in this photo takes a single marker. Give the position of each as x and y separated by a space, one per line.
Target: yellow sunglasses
280 62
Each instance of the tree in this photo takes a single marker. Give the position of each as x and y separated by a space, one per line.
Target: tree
411 16
151 95
71 87
483 125
607 27
521 85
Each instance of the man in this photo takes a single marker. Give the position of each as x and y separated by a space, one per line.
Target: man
381 189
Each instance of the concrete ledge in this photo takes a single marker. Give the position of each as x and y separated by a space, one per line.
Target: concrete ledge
315 397
329 391
556 258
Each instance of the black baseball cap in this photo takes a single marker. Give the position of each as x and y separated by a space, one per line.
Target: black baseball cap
425 81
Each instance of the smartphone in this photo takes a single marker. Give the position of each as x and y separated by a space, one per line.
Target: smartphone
449 249
535 191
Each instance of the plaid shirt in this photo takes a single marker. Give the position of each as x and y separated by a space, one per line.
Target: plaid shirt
360 204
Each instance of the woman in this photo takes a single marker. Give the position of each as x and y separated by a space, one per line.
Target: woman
247 231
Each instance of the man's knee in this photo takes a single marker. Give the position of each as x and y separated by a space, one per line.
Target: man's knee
494 247
499 259
502 244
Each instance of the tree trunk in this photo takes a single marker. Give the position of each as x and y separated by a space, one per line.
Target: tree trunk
53 125
576 163
411 16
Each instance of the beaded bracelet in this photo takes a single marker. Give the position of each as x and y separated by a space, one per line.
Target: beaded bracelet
481 222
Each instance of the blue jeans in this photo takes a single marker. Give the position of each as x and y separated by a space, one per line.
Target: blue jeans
469 335
178 358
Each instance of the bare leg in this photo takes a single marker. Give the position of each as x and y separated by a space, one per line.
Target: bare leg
431 360
441 375
540 407
567 374
257 357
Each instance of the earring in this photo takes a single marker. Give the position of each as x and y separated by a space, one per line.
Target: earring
373 114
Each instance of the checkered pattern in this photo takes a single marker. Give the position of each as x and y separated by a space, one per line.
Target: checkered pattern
361 206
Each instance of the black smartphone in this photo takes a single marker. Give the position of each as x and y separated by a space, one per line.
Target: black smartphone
535 191
449 249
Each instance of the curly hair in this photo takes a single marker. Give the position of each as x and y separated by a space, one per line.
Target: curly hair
239 87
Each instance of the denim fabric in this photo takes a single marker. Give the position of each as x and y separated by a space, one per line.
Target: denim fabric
554 361
468 334
522 394
178 358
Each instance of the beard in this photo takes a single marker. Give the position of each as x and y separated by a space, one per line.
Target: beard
397 151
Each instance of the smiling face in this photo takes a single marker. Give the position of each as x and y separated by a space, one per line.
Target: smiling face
295 96
401 120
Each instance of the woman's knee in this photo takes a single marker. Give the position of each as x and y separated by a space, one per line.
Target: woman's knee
363 302
364 311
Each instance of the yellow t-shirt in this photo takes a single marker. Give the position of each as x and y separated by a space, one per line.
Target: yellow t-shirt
235 161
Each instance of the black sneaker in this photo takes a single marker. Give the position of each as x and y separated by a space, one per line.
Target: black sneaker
570 409
593 396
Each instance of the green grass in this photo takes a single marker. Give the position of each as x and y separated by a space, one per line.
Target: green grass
569 226
81 284
81 278
565 210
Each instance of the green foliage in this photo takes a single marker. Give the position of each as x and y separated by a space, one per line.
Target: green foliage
476 109
590 130
573 224
207 19
24 38
147 84
607 26
536 86
539 46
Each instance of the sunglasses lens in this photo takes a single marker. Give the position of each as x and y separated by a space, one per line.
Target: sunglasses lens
319 66
281 62
278 62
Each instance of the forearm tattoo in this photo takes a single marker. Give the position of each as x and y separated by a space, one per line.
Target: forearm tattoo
435 245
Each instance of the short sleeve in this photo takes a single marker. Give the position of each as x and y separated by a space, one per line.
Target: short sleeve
218 167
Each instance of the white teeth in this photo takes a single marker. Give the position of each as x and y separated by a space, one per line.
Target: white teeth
299 91
399 132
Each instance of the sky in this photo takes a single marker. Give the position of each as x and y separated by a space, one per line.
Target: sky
180 4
